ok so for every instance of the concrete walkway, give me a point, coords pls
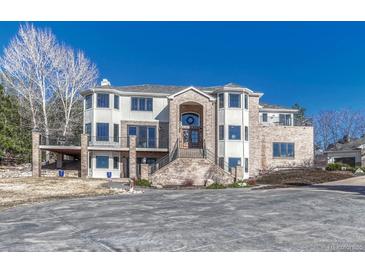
(328, 217)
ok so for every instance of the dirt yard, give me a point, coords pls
(16, 191)
(303, 176)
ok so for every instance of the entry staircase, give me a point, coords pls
(193, 153)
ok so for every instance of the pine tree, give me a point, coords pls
(14, 140)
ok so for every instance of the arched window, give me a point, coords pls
(190, 119)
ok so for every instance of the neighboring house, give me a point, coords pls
(351, 152)
(187, 135)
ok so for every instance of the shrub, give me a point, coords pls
(143, 183)
(334, 166)
(238, 184)
(216, 185)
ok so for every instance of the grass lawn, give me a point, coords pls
(16, 191)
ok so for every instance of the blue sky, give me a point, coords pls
(320, 65)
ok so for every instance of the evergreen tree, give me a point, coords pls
(14, 139)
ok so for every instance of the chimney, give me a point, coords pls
(105, 82)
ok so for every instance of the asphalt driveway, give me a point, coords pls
(329, 217)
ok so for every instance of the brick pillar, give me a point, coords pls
(144, 171)
(59, 163)
(238, 173)
(84, 156)
(132, 157)
(36, 154)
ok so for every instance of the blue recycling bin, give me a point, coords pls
(61, 173)
(108, 174)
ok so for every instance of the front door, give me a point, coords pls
(191, 138)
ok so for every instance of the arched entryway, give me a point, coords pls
(191, 125)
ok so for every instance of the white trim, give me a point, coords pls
(194, 89)
(263, 109)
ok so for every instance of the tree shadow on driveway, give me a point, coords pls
(344, 188)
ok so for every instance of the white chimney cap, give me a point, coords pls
(105, 82)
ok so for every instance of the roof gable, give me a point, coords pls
(193, 89)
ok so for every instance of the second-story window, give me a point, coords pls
(88, 130)
(116, 133)
(234, 132)
(264, 117)
(88, 101)
(102, 132)
(221, 100)
(142, 104)
(234, 100)
(246, 101)
(285, 119)
(102, 100)
(116, 101)
(246, 133)
(221, 132)
(146, 135)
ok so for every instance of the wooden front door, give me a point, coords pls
(191, 138)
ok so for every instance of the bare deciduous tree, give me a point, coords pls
(73, 73)
(333, 125)
(46, 76)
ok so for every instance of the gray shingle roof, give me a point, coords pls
(352, 145)
(163, 89)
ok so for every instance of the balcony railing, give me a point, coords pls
(55, 140)
(124, 142)
(308, 122)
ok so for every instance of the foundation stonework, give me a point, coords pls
(144, 171)
(186, 171)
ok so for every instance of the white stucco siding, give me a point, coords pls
(102, 172)
(160, 110)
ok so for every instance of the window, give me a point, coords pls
(88, 101)
(116, 133)
(283, 150)
(146, 136)
(102, 162)
(285, 119)
(102, 131)
(116, 101)
(221, 162)
(246, 101)
(234, 100)
(142, 104)
(233, 162)
(90, 160)
(190, 119)
(246, 133)
(264, 117)
(115, 162)
(88, 130)
(221, 132)
(221, 100)
(234, 132)
(246, 165)
(103, 100)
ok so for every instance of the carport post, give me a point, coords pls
(59, 162)
(36, 154)
(132, 157)
(84, 155)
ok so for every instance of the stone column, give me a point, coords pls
(84, 156)
(132, 157)
(238, 173)
(59, 160)
(36, 154)
(144, 171)
(254, 136)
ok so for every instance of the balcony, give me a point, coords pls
(306, 122)
(59, 140)
(123, 142)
